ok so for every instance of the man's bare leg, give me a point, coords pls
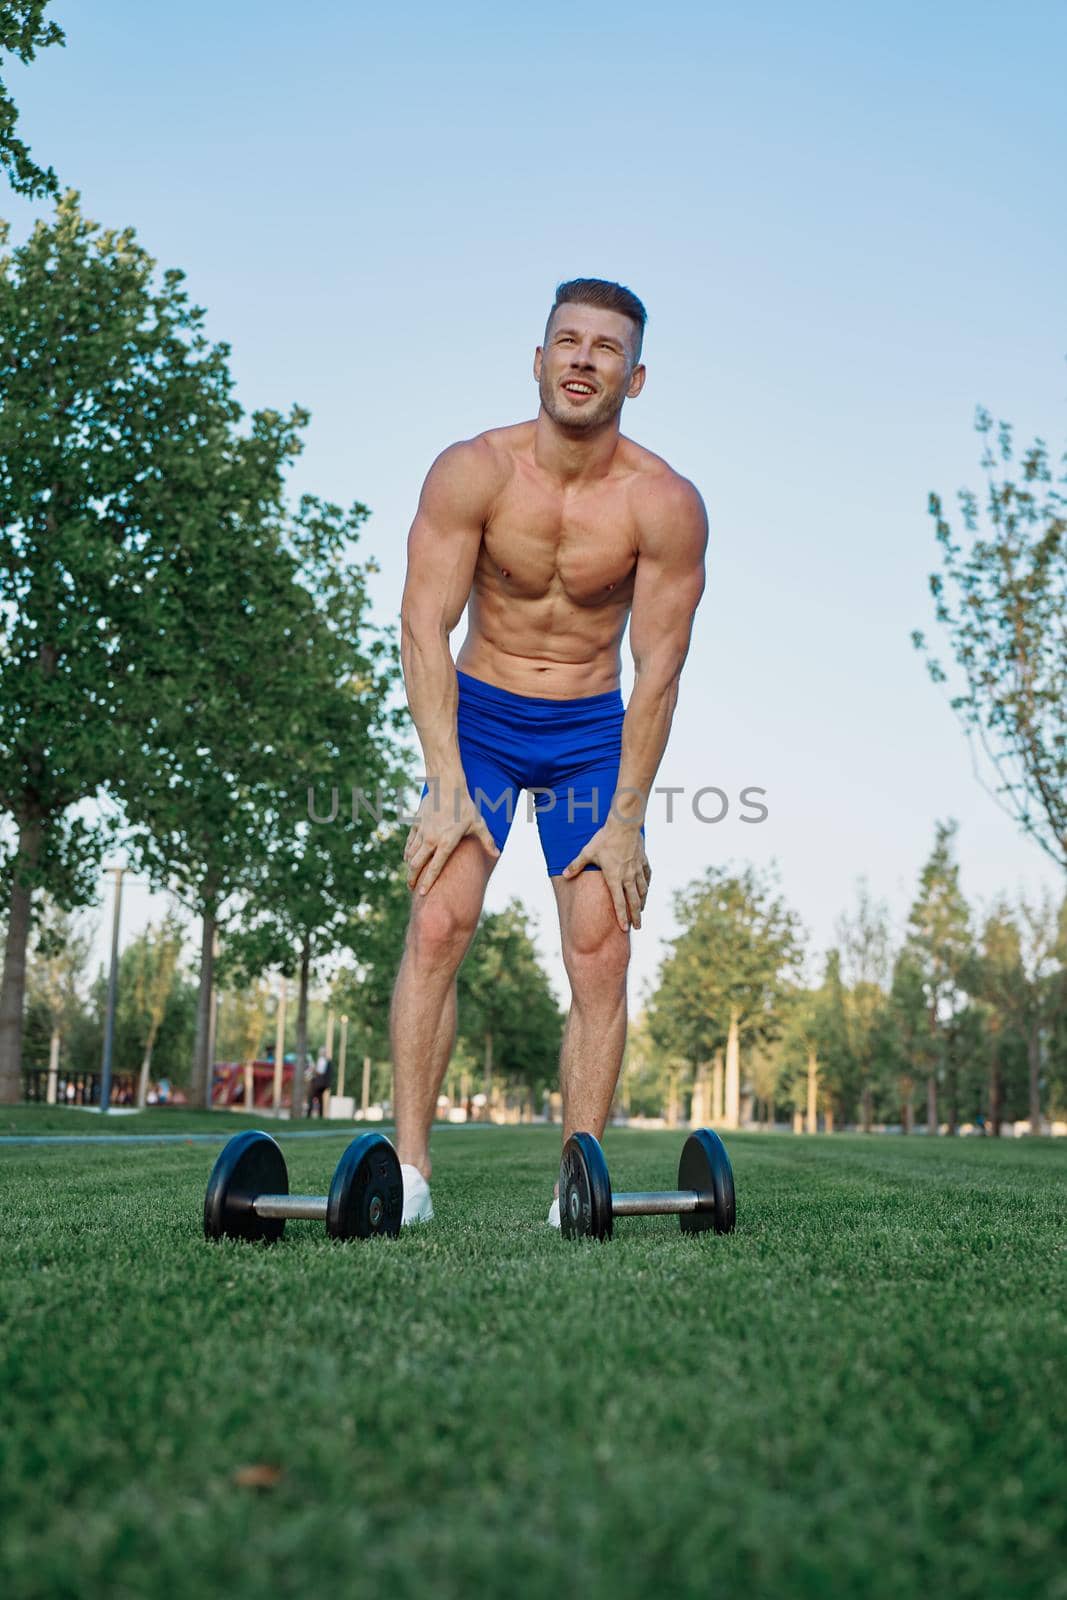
(422, 1019)
(596, 954)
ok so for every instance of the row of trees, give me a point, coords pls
(510, 1024)
(184, 652)
(964, 1019)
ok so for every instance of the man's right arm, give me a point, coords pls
(443, 547)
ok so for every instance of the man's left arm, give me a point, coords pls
(667, 589)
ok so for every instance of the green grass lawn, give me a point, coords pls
(861, 1392)
(31, 1119)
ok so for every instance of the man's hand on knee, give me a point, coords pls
(619, 851)
(436, 832)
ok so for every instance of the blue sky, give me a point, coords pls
(847, 224)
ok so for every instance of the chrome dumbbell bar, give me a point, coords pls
(706, 1200)
(247, 1194)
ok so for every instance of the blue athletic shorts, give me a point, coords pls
(565, 753)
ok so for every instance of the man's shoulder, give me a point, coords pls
(494, 447)
(661, 496)
(481, 464)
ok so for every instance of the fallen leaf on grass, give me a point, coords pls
(260, 1475)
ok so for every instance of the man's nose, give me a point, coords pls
(582, 358)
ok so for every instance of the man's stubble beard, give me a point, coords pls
(584, 419)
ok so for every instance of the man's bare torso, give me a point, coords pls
(555, 573)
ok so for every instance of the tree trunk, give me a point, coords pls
(672, 1100)
(698, 1111)
(213, 1017)
(200, 1084)
(798, 1120)
(813, 1090)
(733, 1073)
(952, 1116)
(142, 1082)
(931, 1077)
(867, 1112)
(717, 1088)
(996, 1094)
(623, 1089)
(828, 1119)
(931, 1104)
(53, 1067)
(13, 987)
(279, 1045)
(299, 1097)
(906, 1105)
(1033, 1062)
(487, 1072)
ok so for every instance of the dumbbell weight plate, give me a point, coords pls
(367, 1193)
(705, 1166)
(250, 1163)
(584, 1190)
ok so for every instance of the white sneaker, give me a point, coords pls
(418, 1207)
(553, 1213)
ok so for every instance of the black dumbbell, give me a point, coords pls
(703, 1199)
(248, 1191)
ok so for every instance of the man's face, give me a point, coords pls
(584, 370)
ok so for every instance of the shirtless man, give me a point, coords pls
(552, 533)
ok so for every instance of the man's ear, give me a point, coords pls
(538, 353)
(637, 382)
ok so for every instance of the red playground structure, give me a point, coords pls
(248, 1084)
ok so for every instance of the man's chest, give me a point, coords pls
(584, 545)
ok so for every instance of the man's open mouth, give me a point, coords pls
(576, 387)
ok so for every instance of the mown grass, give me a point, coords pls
(861, 1392)
(84, 1121)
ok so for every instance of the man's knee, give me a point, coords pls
(440, 930)
(597, 960)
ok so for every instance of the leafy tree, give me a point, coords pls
(56, 969)
(154, 961)
(838, 1077)
(244, 1022)
(1003, 605)
(726, 973)
(938, 948)
(234, 662)
(112, 413)
(1057, 1034)
(864, 942)
(797, 1057)
(363, 986)
(814, 1056)
(322, 871)
(998, 981)
(910, 1039)
(172, 1048)
(23, 31)
(647, 1072)
(1015, 972)
(684, 1034)
(769, 1082)
(967, 1050)
(507, 1009)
